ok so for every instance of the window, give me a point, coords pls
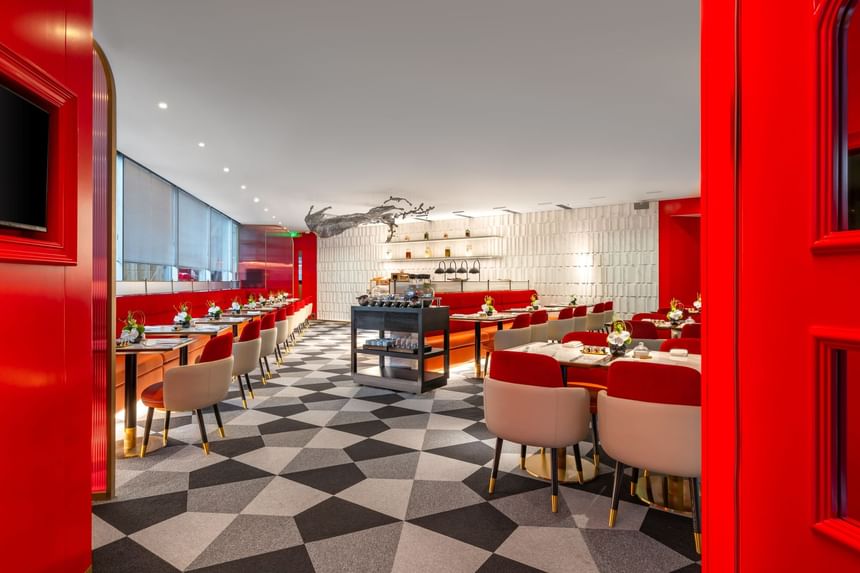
(167, 234)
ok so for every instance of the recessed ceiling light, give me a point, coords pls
(266, 209)
(281, 223)
(273, 217)
(201, 144)
(162, 105)
(226, 170)
(653, 192)
(244, 187)
(256, 199)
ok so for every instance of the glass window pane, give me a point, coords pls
(221, 252)
(148, 211)
(193, 232)
(848, 205)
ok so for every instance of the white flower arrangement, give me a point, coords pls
(181, 318)
(674, 315)
(214, 311)
(488, 307)
(235, 307)
(697, 304)
(535, 302)
(619, 336)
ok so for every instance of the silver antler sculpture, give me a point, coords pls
(326, 226)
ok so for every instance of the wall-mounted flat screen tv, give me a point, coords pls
(24, 132)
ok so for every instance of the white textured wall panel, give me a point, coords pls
(597, 253)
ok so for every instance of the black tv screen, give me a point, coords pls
(24, 129)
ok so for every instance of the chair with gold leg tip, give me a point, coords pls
(282, 327)
(594, 320)
(526, 402)
(692, 330)
(562, 325)
(540, 328)
(191, 388)
(579, 318)
(521, 323)
(268, 338)
(246, 356)
(608, 312)
(510, 338)
(592, 379)
(290, 312)
(691, 345)
(650, 417)
(299, 317)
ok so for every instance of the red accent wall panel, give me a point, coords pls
(101, 254)
(265, 258)
(46, 362)
(307, 246)
(679, 250)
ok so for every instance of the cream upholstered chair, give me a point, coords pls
(539, 326)
(594, 320)
(268, 340)
(650, 417)
(246, 356)
(562, 325)
(608, 311)
(189, 388)
(526, 402)
(579, 318)
(282, 331)
(510, 338)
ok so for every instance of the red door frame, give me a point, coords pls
(768, 97)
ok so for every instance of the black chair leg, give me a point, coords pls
(146, 430)
(166, 427)
(634, 479)
(250, 388)
(268, 370)
(577, 458)
(523, 457)
(487, 364)
(553, 460)
(616, 492)
(496, 458)
(218, 418)
(203, 432)
(595, 455)
(242, 391)
(697, 514)
(262, 370)
(278, 354)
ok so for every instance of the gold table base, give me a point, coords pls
(666, 493)
(538, 465)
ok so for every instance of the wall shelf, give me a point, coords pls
(472, 238)
(437, 259)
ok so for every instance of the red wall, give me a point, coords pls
(307, 245)
(680, 248)
(46, 358)
(265, 258)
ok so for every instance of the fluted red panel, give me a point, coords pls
(101, 256)
(307, 246)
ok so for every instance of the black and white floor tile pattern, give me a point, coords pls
(323, 475)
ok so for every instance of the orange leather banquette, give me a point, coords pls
(462, 337)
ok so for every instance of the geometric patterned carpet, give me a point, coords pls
(322, 475)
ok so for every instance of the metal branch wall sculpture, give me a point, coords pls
(389, 212)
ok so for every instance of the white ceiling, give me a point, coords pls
(464, 104)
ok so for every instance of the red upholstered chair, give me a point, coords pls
(193, 388)
(663, 310)
(217, 348)
(595, 318)
(691, 345)
(587, 338)
(282, 332)
(650, 417)
(650, 315)
(268, 338)
(691, 330)
(579, 318)
(556, 329)
(642, 329)
(246, 356)
(526, 402)
(540, 328)
(608, 311)
(592, 379)
(521, 336)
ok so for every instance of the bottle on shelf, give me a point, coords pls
(426, 235)
(468, 233)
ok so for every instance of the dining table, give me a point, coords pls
(224, 320)
(479, 319)
(674, 497)
(130, 352)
